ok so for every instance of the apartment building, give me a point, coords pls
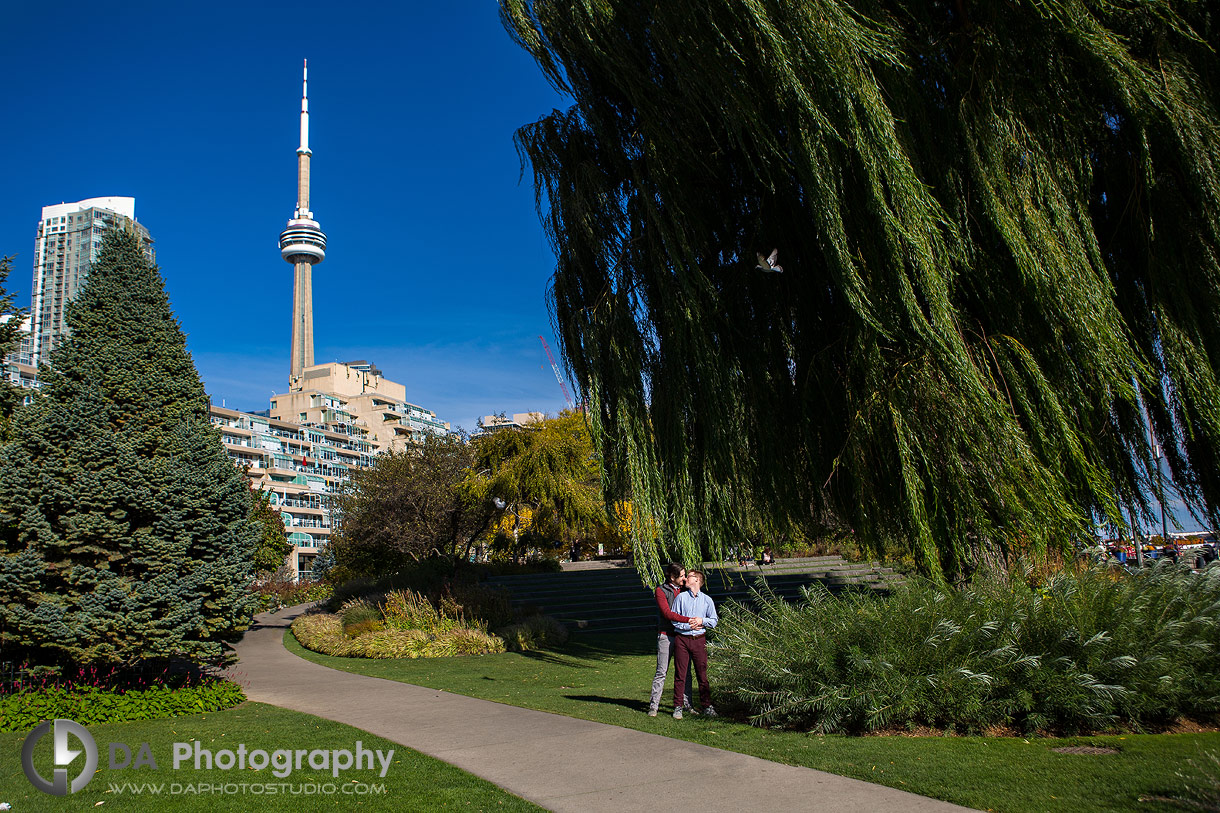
(356, 391)
(69, 237)
(302, 467)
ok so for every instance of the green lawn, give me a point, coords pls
(606, 678)
(412, 782)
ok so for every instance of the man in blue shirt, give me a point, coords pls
(691, 644)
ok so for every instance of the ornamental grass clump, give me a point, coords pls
(405, 609)
(400, 624)
(1086, 649)
(358, 611)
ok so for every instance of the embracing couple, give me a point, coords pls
(684, 612)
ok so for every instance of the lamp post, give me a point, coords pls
(501, 505)
(1158, 453)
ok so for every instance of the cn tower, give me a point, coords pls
(302, 244)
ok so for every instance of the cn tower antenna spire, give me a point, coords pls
(303, 245)
(304, 148)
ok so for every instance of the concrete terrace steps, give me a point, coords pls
(634, 590)
(612, 599)
(606, 576)
(623, 564)
(628, 582)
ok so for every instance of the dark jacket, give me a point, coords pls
(665, 595)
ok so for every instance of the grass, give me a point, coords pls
(413, 782)
(606, 678)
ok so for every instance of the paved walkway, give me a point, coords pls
(558, 762)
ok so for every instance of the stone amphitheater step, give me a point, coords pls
(612, 599)
(629, 584)
(618, 564)
(811, 565)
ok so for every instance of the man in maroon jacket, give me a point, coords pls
(675, 577)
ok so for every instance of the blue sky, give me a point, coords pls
(436, 265)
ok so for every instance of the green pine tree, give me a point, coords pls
(273, 546)
(125, 532)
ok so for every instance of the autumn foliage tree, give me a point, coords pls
(544, 479)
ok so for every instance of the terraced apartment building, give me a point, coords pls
(336, 418)
(359, 392)
(301, 466)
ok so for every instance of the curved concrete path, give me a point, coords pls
(557, 762)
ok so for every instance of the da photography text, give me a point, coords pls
(281, 762)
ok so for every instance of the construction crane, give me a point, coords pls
(567, 396)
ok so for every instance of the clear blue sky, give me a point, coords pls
(436, 265)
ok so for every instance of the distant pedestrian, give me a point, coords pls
(691, 643)
(767, 558)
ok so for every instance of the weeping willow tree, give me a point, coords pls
(999, 229)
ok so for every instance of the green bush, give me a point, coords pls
(278, 594)
(535, 632)
(90, 705)
(1087, 649)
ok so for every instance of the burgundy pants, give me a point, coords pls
(690, 649)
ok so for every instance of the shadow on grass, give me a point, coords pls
(546, 656)
(598, 646)
(584, 649)
(634, 705)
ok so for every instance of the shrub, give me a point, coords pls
(326, 633)
(321, 632)
(90, 705)
(535, 632)
(1200, 784)
(1085, 649)
(432, 577)
(474, 642)
(276, 593)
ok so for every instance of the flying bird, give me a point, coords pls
(768, 263)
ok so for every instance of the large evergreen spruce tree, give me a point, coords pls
(999, 227)
(124, 529)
